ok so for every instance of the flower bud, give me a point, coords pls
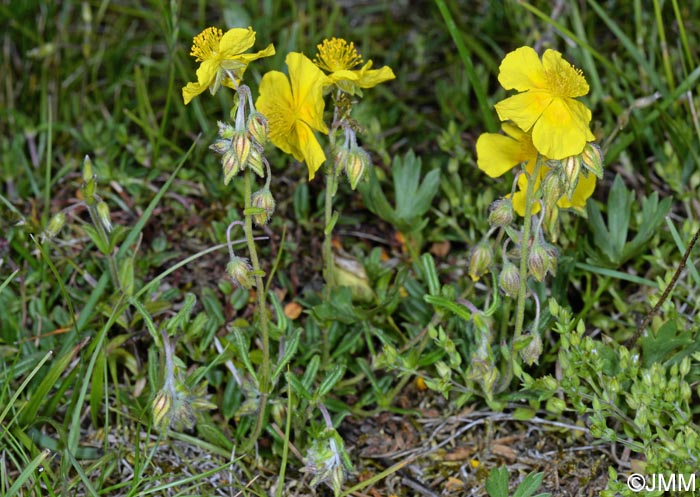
(226, 131)
(592, 159)
(88, 174)
(242, 146)
(501, 213)
(480, 260)
(537, 261)
(570, 168)
(262, 199)
(356, 164)
(509, 279)
(55, 225)
(255, 162)
(533, 350)
(552, 190)
(220, 146)
(239, 269)
(160, 408)
(103, 214)
(89, 181)
(229, 162)
(258, 128)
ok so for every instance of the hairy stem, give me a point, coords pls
(524, 249)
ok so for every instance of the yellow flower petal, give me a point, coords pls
(522, 70)
(497, 154)
(236, 41)
(310, 149)
(582, 192)
(524, 109)
(562, 129)
(562, 78)
(307, 88)
(371, 78)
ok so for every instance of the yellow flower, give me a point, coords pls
(221, 56)
(546, 107)
(497, 153)
(294, 108)
(338, 57)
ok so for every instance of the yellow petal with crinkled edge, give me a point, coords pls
(522, 70)
(497, 154)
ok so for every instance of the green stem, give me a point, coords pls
(264, 374)
(331, 185)
(111, 258)
(524, 248)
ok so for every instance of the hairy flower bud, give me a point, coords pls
(239, 269)
(480, 260)
(592, 159)
(55, 225)
(537, 261)
(255, 162)
(501, 213)
(89, 181)
(509, 279)
(226, 131)
(263, 199)
(533, 350)
(570, 168)
(103, 214)
(161, 409)
(258, 128)
(356, 164)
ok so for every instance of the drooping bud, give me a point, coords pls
(533, 350)
(592, 159)
(239, 269)
(552, 258)
(480, 260)
(356, 164)
(263, 199)
(501, 213)
(551, 222)
(570, 168)
(103, 214)
(258, 128)
(229, 162)
(55, 225)
(509, 279)
(255, 162)
(537, 261)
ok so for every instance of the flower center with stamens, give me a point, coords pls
(337, 55)
(206, 44)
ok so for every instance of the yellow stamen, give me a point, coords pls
(206, 44)
(337, 54)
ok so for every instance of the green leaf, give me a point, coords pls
(332, 377)
(529, 485)
(497, 482)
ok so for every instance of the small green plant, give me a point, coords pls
(497, 484)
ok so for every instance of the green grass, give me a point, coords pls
(81, 353)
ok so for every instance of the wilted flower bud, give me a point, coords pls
(533, 350)
(262, 199)
(592, 159)
(255, 162)
(103, 214)
(480, 260)
(538, 261)
(239, 269)
(501, 213)
(570, 168)
(356, 164)
(509, 279)
(258, 128)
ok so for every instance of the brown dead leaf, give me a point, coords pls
(504, 451)
(453, 484)
(459, 454)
